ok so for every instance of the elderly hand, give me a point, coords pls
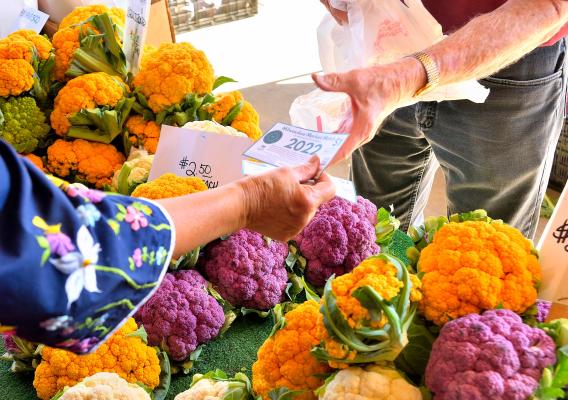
(278, 204)
(373, 91)
(339, 15)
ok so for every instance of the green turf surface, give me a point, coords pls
(234, 352)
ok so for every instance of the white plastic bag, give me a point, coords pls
(58, 9)
(10, 11)
(378, 32)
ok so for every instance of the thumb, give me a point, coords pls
(332, 82)
(307, 171)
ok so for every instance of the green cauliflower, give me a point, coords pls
(22, 123)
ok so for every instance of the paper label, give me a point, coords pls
(285, 145)
(212, 157)
(137, 16)
(553, 248)
(344, 188)
(30, 18)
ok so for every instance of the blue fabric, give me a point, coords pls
(75, 263)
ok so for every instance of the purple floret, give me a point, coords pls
(181, 315)
(247, 270)
(543, 308)
(338, 238)
(489, 356)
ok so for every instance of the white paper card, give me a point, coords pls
(344, 188)
(553, 248)
(286, 145)
(137, 16)
(30, 18)
(212, 157)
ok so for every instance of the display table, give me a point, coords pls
(234, 352)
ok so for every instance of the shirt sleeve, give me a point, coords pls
(75, 263)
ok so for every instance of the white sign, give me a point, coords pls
(137, 16)
(344, 188)
(210, 156)
(285, 146)
(553, 247)
(30, 18)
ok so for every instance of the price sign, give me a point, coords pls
(212, 157)
(286, 145)
(137, 15)
(30, 18)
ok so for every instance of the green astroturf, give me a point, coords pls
(234, 352)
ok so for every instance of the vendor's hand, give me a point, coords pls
(339, 15)
(372, 91)
(278, 205)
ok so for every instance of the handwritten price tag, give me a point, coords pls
(30, 18)
(212, 157)
(285, 146)
(137, 15)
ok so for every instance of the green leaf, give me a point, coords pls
(123, 186)
(114, 225)
(228, 120)
(121, 208)
(247, 311)
(44, 244)
(230, 317)
(161, 391)
(310, 291)
(140, 333)
(386, 225)
(284, 394)
(221, 80)
(58, 395)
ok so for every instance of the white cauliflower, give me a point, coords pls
(105, 386)
(205, 389)
(134, 172)
(371, 383)
(216, 385)
(214, 127)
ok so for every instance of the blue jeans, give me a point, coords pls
(496, 156)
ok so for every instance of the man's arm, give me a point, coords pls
(485, 45)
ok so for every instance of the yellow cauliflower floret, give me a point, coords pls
(169, 185)
(474, 266)
(81, 14)
(85, 92)
(285, 359)
(143, 133)
(127, 356)
(16, 48)
(16, 77)
(41, 43)
(94, 163)
(246, 121)
(170, 73)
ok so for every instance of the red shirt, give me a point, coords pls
(454, 14)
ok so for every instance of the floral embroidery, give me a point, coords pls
(135, 218)
(79, 346)
(161, 255)
(77, 189)
(56, 323)
(89, 214)
(54, 242)
(137, 257)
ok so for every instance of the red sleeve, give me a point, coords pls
(563, 32)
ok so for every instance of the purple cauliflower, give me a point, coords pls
(181, 315)
(543, 308)
(490, 356)
(247, 270)
(338, 238)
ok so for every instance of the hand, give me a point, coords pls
(278, 205)
(374, 92)
(339, 15)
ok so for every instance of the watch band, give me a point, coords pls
(432, 72)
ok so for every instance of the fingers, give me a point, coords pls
(324, 189)
(307, 171)
(332, 82)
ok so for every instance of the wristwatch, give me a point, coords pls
(432, 72)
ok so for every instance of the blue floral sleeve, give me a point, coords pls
(75, 263)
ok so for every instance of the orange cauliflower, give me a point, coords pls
(93, 163)
(127, 356)
(16, 77)
(84, 93)
(81, 14)
(41, 43)
(143, 133)
(474, 266)
(173, 71)
(169, 185)
(247, 119)
(16, 48)
(285, 359)
(35, 160)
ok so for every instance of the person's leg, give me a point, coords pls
(397, 166)
(498, 155)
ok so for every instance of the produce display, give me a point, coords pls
(350, 309)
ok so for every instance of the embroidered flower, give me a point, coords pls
(77, 189)
(137, 258)
(54, 324)
(89, 214)
(161, 255)
(79, 346)
(59, 243)
(80, 266)
(135, 218)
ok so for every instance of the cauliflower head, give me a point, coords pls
(205, 389)
(474, 266)
(169, 185)
(373, 382)
(35, 160)
(93, 163)
(41, 43)
(83, 93)
(172, 72)
(246, 121)
(489, 356)
(82, 14)
(16, 77)
(127, 356)
(16, 48)
(285, 358)
(105, 386)
(339, 237)
(214, 127)
(139, 164)
(181, 315)
(248, 270)
(23, 124)
(143, 133)
(217, 385)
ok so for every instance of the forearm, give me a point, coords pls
(205, 216)
(495, 40)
